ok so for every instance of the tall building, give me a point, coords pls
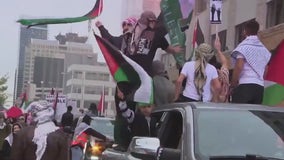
(85, 84)
(44, 67)
(26, 34)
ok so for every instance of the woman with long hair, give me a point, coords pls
(200, 77)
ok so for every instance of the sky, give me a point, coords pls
(12, 10)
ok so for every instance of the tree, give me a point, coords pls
(3, 88)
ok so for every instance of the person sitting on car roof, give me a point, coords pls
(81, 136)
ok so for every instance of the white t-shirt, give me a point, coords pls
(248, 75)
(190, 90)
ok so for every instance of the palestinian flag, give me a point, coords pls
(176, 15)
(274, 80)
(197, 39)
(95, 12)
(123, 69)
(25, 103)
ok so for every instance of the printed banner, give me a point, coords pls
(61, 105)
(216, 11)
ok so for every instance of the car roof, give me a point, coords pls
(217, 106)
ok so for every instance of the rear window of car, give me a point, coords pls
(238, 133)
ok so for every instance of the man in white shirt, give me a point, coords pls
(250, 58)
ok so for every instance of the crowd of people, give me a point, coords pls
(204, 79)
(207, 78)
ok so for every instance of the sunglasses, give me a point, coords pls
(126, 24)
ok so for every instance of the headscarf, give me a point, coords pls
(10, 138)
(203, 54)
(142, 24)
(43, 114)
(130, 20)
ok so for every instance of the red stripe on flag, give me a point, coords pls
(96, 11)
(113, 66)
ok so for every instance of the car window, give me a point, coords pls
(171, 129)
(238, 133)
(104, 126)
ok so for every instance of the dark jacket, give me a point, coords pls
(67, 119)
(116, 41)
(139, 126)
(23, 148)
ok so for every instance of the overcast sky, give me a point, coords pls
(12, 10)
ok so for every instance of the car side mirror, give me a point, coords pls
(144, 147)
(168, 154)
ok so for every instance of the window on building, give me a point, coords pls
(239, 36)
(275, 13)
(223, 37)
(76, 89)
(91, 76)
(78, 75)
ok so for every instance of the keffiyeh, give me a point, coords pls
(255, 53)
(43, 114)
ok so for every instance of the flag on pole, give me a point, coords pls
(95, 12)
(123, 69)
(274, 80)
(24, 104)
(101, 106)
(176, 15)
(197, 39)
(55, 101)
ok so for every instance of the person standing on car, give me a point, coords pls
(250, 58)
(81, 136)
(67, 118)
(200, 77)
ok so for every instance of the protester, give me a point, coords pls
(121, 132)
(141, 122)
(82, 133)
(7, 145)
(45, 141)
(200, 77)
(127, 27)
(164, 89)
(250, 58)
(223, 73)
(93, 110)
(5, 130)
(145, 40)
(67, 118)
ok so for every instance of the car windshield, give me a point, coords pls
(238, 133)
(104, 126)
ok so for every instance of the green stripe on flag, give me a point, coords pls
(120, 75)
(273, 95)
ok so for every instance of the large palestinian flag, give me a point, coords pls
(274, 80)
(123, 69)
(176, 15)
(96, 11)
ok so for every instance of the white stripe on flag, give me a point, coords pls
(144, 92)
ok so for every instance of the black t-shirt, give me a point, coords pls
(146, 48)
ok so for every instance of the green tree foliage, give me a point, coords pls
(3, 88)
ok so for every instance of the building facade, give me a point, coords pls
(85, 84)
(44, 67)
(26, 34)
